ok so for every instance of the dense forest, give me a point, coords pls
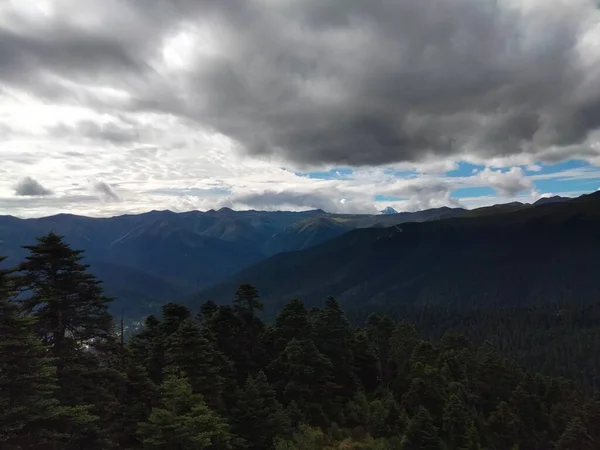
(310, 379)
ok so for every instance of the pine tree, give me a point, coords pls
(291, 323)
(366, 365)
(575, 437)
(173, 315)
(260, 418)
(379, 330)
(68, 303)
(334, 338)
(503, 425)
(73, 320)
(204, 366)
(147, 349)
(421, 433)
(303, 375)
(459, 426)
(183, 421)
(28, 406)
(137, 394)
(246, 305)
(226, 330)
(247, 301)
(207, 310)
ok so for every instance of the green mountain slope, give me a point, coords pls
(531, 255)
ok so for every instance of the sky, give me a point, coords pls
(124, 106)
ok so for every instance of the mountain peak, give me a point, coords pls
(553, 199)
(388, 210)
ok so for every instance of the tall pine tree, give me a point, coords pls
(72, 318)
(259, 418)
(28, 406)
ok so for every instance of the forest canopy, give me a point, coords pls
(223, 378)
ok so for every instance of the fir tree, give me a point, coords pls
(137, 394)
(422, 434)
(304, 376)
(204, 366)
(459, 426)
(173, 315)
(67, 301)
(379, 330)
(73, 320)
(334, 338)
(246, 305)
(147, 349)
(207, 310)
(260, 418)
(28, 406)
(366, 365)
(183, 421)
(291, 323)
(575, 437)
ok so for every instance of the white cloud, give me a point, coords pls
(506, 183)
(116, 93)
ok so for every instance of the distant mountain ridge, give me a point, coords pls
(186, 251)
(505, 255)
(168, 255)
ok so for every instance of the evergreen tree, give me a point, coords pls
(422, 434)
(335, 339)
(459, 426)
(366, 365)
(260, 418)
(183, 421)
(303, 376)
(173, 315)
(28, 407)
(207, 310)
(226, 330)
(73, 320)
(204, 366)
(247, 302)
(137, 394)
(291, 323)
(379, 330)
(67, 301)
(503, 425)
(147, 349)
(576, 437)
(246, 305)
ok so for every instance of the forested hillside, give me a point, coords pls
(225, 379)
(148, 259)
(543, 255)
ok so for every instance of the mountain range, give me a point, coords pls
(512, 255)
(148, 259)
(422, 257)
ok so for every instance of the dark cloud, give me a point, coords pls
(108, 132)
(30, 187)
(105, 191)
(343, 81)
(329, 201)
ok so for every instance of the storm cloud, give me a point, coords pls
(30, 187)
(337, 82)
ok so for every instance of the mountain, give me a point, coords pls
(305, 234)
(553, 199)
(147, 259)
(519, 256)
(388, 210)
